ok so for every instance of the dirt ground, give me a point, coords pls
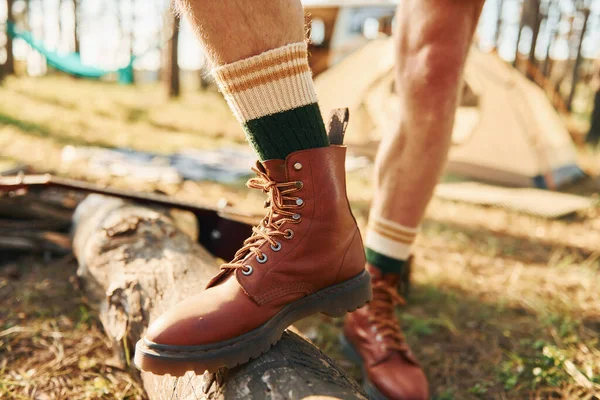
(502, 305)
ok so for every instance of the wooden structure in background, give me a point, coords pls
(323, 53)
(319, 58)
(135, 262)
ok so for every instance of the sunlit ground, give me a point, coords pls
(502, 306)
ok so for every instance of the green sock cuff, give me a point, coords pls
(277, 135)
(385, 264)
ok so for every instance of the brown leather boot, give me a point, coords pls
(305, 257)
(372, 338)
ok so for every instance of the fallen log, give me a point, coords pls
(34, 241)
(135, 262)
(32, 222)
(32, 206)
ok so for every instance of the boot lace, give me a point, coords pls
(281, 207)
(382, 318)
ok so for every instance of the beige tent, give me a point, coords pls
(506, 130)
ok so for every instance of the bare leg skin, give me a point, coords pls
(231, 30)
(260, 63)
(432, 41)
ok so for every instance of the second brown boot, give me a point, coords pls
(372, 338)
(305, 257)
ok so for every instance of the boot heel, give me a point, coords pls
(348, 296)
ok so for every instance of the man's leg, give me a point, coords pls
(259, 58)
(432, 41)
(306, 255)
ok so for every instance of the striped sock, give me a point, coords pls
(388, 244)
(273, 96)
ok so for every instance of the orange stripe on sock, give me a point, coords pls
(261, 80)
(395, 230)
(241, 72)
(391, 236)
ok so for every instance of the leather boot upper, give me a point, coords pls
(308, 240)
(375, 333)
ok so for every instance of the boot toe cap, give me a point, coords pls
(168, 329)
(403, 382)
(216, 314)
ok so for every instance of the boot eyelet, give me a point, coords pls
(262, 259)
(299, 185)
(296, 217)
(297, 166)
(299, 202)
(276, 248)
(288, 234)
(247, 270)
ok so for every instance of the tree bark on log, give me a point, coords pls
(135, 262)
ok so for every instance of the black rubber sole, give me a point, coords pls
(334, 301)
(353, 355)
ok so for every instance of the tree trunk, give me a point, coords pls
(132, 28)
(578, 58)
(521, 26)
(59, 23)
(136, 262)
(593, 136)
(498, 24)
(76, 25)
(9, 67)
(173, 59)
(535, 31)
(553, 35)
(27, 17)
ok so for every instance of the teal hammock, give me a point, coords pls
(70, 63)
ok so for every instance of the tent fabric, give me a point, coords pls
(519, 138)
(506, 131)
(70, 63)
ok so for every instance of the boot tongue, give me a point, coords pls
(275, 169)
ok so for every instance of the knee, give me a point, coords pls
(432, 44)
(435, 64)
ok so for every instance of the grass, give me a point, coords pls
(51, 346)
(502, 306)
